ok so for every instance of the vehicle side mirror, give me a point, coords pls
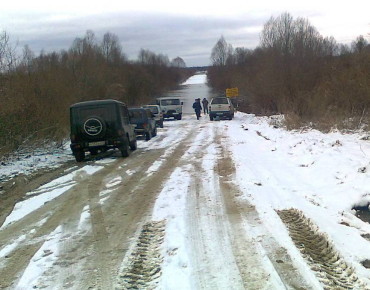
(182, 103)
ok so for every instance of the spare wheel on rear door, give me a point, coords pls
(94, 127)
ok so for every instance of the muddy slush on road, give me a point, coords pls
(197, 207)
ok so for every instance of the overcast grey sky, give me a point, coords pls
(187, 29)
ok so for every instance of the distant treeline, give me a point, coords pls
(296, 71)
(36, 91)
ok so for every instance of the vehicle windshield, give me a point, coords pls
(169, 102)
(219, 101)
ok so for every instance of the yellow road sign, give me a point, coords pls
(232, 92)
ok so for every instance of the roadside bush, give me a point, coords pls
(36, 92)
(297, 72)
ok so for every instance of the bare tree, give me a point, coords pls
(27, 59)
(241, 55)
(359, 44)
(147, 57)
(178, 62)
(111, 48)
(7, 53)
(221, 52)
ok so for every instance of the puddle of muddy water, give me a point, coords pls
(363, 213)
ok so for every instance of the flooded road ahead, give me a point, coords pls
(195, 87)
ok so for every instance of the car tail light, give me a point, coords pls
(145, 125)
(120, 132)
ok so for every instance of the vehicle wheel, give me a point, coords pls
(133, 145)
(93, 151)
(154, 132)
(211, 117)
(161, 124)
(125, 149)
(125, 152)
(179, 117)
(79, 155)
(148, 136)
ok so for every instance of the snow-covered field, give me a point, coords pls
(322, 175)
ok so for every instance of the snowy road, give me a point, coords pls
(235, 204)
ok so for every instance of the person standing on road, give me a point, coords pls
(205, 106)
(197, 108)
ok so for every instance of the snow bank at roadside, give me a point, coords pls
(29, 162)
(323, 175)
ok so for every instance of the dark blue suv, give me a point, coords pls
(144, 120)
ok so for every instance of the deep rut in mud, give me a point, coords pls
(144, 264)
(330, 268)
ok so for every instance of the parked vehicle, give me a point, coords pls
(158, 115)
(143, 118)
(100, 125)
(170, 107)
(221, 107)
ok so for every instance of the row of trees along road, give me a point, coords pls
(36, 91)
(298, 72)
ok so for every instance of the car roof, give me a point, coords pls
(97, 102)
(168, 98)
(137, 109)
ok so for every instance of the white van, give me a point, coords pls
(170, 107)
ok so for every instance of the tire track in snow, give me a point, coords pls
(118, 218)
(319, 252)
(253, 245)
(212, 261)
(144, 264)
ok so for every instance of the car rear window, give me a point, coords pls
(169, 102)
(153, 109)
(219, 101)
(137, 115)
(104, 112)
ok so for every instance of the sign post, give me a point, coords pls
(232, 92)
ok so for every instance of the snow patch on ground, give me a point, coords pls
(48, 192)
(42, 261)
(30, 162)
(314, 172)
(196, 79)
(170, 206)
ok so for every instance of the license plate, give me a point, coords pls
(98, 143)
(219, 113)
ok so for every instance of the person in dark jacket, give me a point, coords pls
(205, 106)
(197, 108)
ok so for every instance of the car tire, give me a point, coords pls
(161, 124)
(133, 145)
(125, 149)
(93, 151)
(79, 155)
(154, 132)
(211, 117)
(148, 136)
(179, 117)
